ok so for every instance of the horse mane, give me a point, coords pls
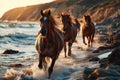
(52, 25)
(69, 19)
(52, 22)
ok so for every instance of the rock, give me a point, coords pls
(100, 73)
(109, 67)
(3, 78)
(109, 78)
(117, 37)
(16, 65)
(114, 67)
(10, 51)
(96, 51)
(94, 59)
(103, 32)
(87, 72)
(27, 71)
(103, 62)
(114, 57)
(27, 77)
(109, 72)
(101, 48)
(102, 39)
(117, 44)
(104, 47)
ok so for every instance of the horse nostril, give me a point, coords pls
(43, 31)
(64, 29)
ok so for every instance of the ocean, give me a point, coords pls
(21, 36)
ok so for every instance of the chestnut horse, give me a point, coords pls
(49, 42)
(70, 31)
(88, 30)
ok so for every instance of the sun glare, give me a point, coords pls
(6, 5)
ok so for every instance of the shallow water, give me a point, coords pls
(17, 36)
(21, 36)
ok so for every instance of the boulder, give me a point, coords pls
(99, 73)
(3, 78)
(114, 57)
(102, 39)
(103, 63)
(101, 48)
(16, 65)
(94, 59)
(10, 51)
(87, 72)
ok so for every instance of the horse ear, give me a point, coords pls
(42, 12)
(49, 12)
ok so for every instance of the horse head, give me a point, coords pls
(47, 22)
(66, 20)
(87, 18)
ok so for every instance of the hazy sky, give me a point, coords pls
(6, 5)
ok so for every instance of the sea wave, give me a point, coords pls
(22, 38)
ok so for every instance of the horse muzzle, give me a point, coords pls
(64, 29)
(43, 31)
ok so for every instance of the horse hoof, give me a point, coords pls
(69, 54)
(48, 77)
(65, 56)
(85, 43)
(40, 66)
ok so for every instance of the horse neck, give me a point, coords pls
(50, 34)
(68, 25)
(87, 23)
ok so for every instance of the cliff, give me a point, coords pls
(100, 10)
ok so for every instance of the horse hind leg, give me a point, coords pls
(40, 62)
(45, 63)
(69, 48)
(84, 40)
(89, 41)
(65, 50)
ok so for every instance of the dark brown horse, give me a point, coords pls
(70, 31)
(49, 42)
(88, 30)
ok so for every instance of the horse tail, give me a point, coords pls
(77, 24)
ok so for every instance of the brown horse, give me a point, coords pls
(88, 30)
(70, 31)
(49, 42)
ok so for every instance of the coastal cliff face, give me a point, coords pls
(100, 10)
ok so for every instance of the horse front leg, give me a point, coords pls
(40, 61)
(84, 40)
(65, 50)
(89, 40)
(69, 48)
(44, 63)
(50, 70)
